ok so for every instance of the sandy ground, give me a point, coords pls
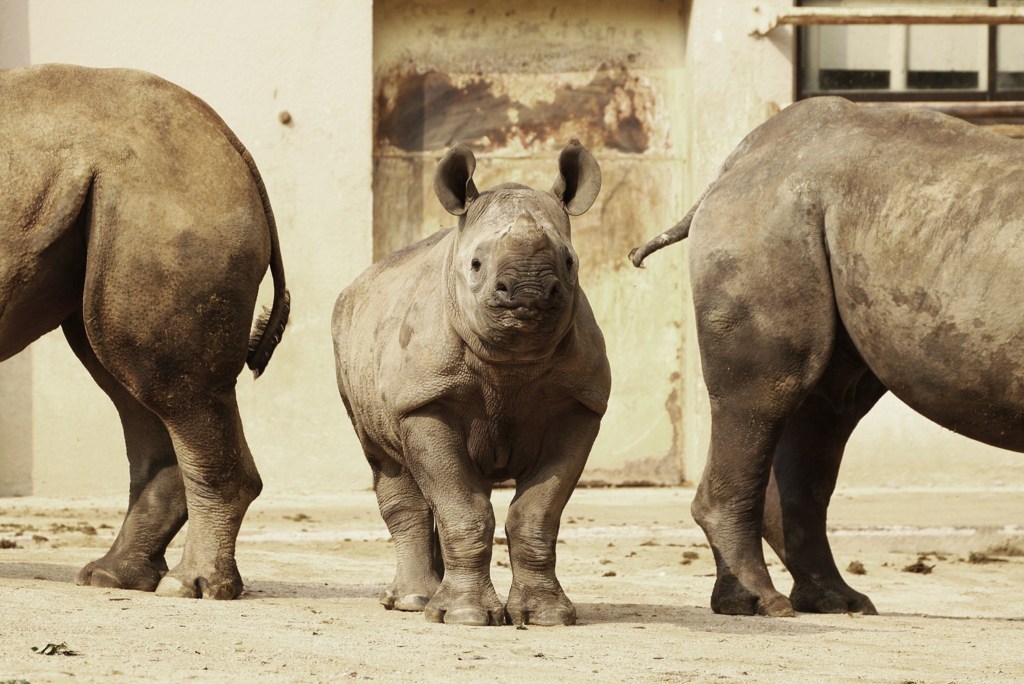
(631, 559)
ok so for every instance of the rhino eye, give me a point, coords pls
(569, 263)
(475, 264)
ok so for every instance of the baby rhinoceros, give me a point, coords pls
(470, 358)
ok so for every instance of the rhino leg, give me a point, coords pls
(220, 482)
(766, 323)
(536, 596)
(411, 523)
(729, 505)
(172, 327)
(804, 474)
(156, 503)
(461, 501)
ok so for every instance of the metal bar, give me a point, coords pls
(807, 16)
(1009, 130)
(899, 57)
(991, 55)
(817, 16)
(962, 110)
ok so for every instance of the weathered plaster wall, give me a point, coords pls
(517, 82)
(14, 48)
(250, 60)
(736, 82)
(16, 373)
(661, 93)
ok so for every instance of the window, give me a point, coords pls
(916, 62)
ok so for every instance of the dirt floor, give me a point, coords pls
(631, 559)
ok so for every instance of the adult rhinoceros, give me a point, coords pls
(843, 252)
(134, 219)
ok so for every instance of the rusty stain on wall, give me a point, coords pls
(653, 470)
(429, 110)
(674, 409)
(450, 71)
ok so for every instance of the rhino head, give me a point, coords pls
(513, 271)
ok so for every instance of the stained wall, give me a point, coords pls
(251, 61)
(659, 90)
(517, 85)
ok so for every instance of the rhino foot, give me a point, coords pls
(548, 617)
(544, 608)
(140, 575)
(817, 598)
(731, 598)
(406, 602)
(409, 594)
(776, 606)
(473, 608)
(472, 617)
(226, 587)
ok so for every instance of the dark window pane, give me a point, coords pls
(943, 80)
(1010, 80)
(1010, 55)
(853, 79)
(889, 60)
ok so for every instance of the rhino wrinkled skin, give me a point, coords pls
(132, 217)
(471, 358)
(843, 252)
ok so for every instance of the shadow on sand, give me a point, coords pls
(260, 589)
(49, 572)
(694, 618)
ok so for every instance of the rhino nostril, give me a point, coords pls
(501, 293)
(551, 296)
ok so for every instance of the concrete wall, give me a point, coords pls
(516, 85)
(250, 60)
(661, 93)
(736, 82)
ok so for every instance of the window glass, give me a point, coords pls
(945, 57)
(915, 59)
(1010, 54)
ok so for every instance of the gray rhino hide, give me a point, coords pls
(132, 217)
(841, 253)
(470, 358)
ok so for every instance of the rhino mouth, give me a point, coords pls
(529, 312)
(526, 313)
(528, 306)
(523, 326)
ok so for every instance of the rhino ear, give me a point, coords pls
(579, 178)
(453, 180)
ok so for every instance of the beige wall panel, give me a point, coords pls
(16, 425)
(735, 82)
(14, 49)
(895, 447)
(660, 91)
(250, 61)
(517, 85)
(738, 81)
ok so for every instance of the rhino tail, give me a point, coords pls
(682, 229)
(269, 327)
(674, 234)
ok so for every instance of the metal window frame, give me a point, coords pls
(993, 16)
